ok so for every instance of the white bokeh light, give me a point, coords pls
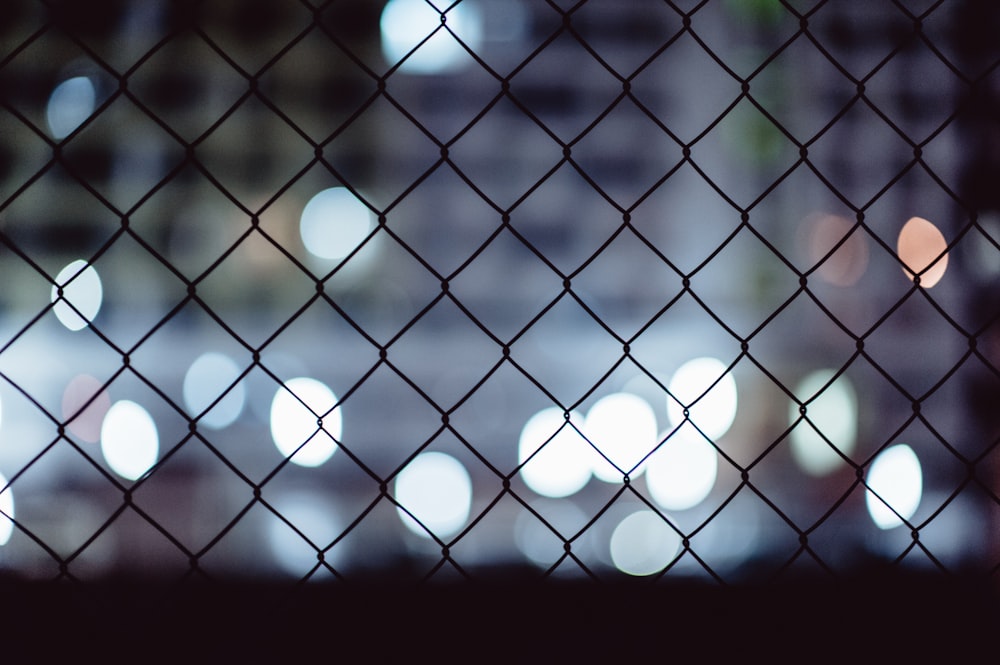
(623, 427)
(834, 412)
(317, 522)
(129, 440)
(295, 410)
(6, 512)
(207, 377)
(897, 480)
(81, 286)
(683, 471)
(71, 103)
(563, 466)
(643, 544)
(437, 490)
(711, 400)
(334, 222)
(406, 23)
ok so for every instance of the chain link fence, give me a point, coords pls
(311, 291)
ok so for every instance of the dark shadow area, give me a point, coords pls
(865, 618)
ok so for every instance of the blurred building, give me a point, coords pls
(593, 199)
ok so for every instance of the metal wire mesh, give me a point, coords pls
(326, 290)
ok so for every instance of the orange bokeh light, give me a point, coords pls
(923, 250)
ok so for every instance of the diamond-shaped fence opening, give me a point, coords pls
(676, 291)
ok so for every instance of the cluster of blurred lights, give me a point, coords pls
(619, 436)
(558, 452)
(433, 492)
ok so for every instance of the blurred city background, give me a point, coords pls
(694, 289)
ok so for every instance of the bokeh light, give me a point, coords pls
(682, 472)
(919, 246)
(709, 391)
(623, 427)
(86, 421)
(206, 379)
(315, 520)
(564, 459)
(895, 486)
(6, 512)
(334, 222)
(833, 414)
(643, 543)
(295, 411)
(129, 440)
(407, 23)
(846, 265)
(437, 490)
(71, 103)
(81, 287)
